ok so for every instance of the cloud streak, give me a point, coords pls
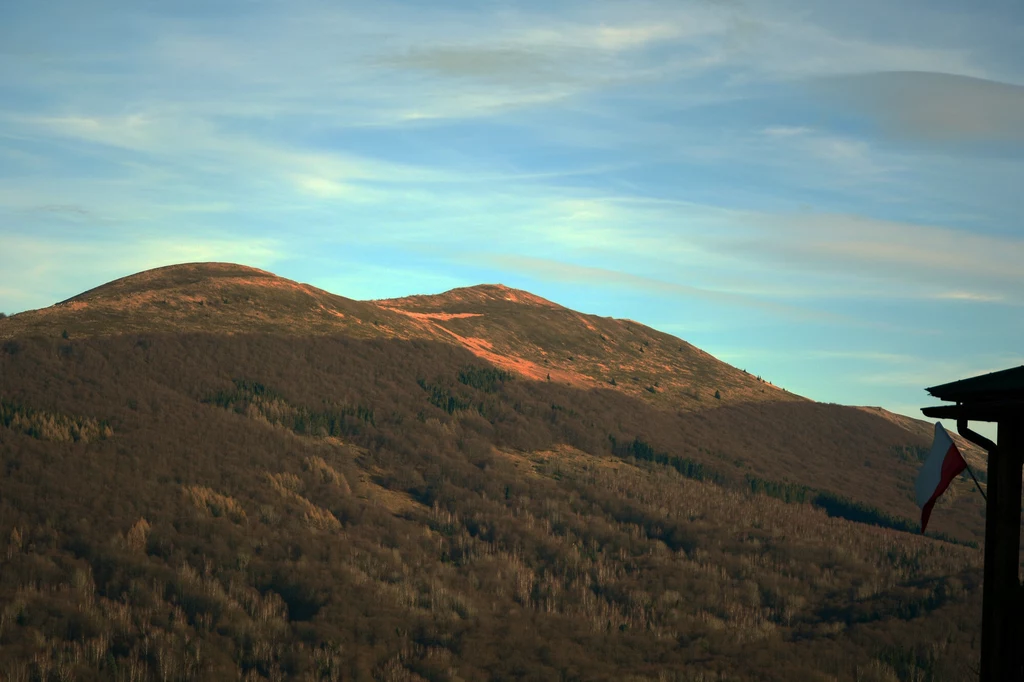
(928, 257)
(933, 106)
(559, 271)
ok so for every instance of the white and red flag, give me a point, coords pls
(944, 463)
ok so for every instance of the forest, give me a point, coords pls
(208, 506)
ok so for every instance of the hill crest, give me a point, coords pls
(172, 276)
(463, 299)
(510, 328)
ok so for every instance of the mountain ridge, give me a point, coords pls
(435, 316)
(310, 487)
(514, 329)
(457, 316)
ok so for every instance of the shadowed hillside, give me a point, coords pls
(271, 491)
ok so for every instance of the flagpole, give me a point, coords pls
(971, 472)
(964, 430)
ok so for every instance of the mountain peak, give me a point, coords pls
(469, 299)
(510, 328)
(207, 297)
(175, 276)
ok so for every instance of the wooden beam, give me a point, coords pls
(1001, 645)
(999, 411)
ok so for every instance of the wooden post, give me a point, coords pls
(1001, 656)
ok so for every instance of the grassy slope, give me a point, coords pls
(217, 297)
(510, 328)
(540, 338)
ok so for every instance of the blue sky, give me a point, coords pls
(826, 194)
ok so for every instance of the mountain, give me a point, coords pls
(208, 297)
(512, 329)
(536, 338)
(212, 472)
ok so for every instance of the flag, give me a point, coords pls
(944, 463)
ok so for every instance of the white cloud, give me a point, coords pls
(613, 38)
(786, 131)
(972, 296)
(921, 377)
(506, 65)
(359, 66)
(330, 189)
(779, 257)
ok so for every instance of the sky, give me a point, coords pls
(828, 195)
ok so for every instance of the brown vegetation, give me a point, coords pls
(509, 328)
(322, 507)
(534, 337)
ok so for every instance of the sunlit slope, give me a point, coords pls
(213, 297)
(541, 340)
(512, 329)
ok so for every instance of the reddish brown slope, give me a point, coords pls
(535, 337)
(210, 297)
(513, 329)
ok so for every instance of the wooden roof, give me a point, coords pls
(989, 397)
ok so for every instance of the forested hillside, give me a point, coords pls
(201, 504)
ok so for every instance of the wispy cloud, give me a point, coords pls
(841, 156)
(933, 106)
(781, 257)
(560, 271)
(331, 189)
(972, 296)
(202, 144)
(786, 131)
(749, 168)
(923, 255)
(502, 65)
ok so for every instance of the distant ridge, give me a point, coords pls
(511, 328)
(208, 297)
(467, 297)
